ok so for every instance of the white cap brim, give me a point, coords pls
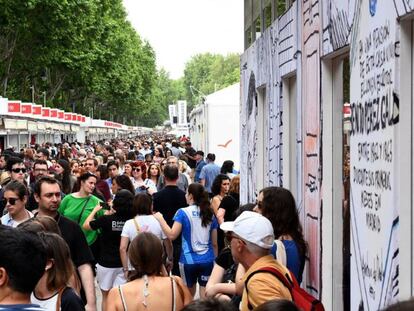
(227, 226)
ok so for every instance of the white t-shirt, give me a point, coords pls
(146, 223)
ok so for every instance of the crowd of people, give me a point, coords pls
(151, 220)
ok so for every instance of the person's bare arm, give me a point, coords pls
(214, 241)
(87, 279)
(123, 254)
(171, 233)
(91, 217)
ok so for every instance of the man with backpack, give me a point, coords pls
(251, 237)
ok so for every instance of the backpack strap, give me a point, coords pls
(285, 279)
(136, 225)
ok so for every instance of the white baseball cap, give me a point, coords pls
(252, 227)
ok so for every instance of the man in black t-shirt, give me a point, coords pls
(47, 194)
(167, 202)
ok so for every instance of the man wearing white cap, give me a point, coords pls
(251, 237)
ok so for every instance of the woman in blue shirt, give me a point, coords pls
(278, 205)
(199, 238)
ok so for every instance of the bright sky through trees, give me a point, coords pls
(179, 29)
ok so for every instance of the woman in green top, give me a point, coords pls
(78, 205)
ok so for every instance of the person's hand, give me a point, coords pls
(150, 191)
(158, 216)
(110, 211)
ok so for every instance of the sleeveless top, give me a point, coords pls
(173, 289)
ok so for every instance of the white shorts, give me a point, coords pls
(109, 277)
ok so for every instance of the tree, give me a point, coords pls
(82, 52)
(207, 73)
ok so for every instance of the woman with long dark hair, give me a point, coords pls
(149, 287)
(63, 172)
(220, 189)
(278, 205)
(154, 172)
(122, 182)
(199, 233)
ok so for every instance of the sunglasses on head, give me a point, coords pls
(11, 201)
(18, 170)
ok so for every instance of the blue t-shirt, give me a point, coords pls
(209, 173)
(199, 167)
(196, 239)
(294, 264)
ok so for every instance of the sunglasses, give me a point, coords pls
(136, 169)
(230, 236)
(11, 201)
(18, 170)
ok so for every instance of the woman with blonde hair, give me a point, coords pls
(149, 281)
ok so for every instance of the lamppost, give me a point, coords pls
(33, 93)
(44, 98)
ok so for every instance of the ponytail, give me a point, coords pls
(201, 199)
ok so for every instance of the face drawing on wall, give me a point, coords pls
(251, 138)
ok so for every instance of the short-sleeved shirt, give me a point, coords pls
(209, 173)
(196, 239)
(199, 167)
(76, 240)
(71, 207)
(168, 201)
(263, 287)
(293, 261)
(146, 223)
(111, 228)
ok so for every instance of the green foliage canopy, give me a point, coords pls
(84, 54)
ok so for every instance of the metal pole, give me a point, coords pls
(33, 92)
(44, 98)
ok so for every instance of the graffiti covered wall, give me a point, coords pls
(374, 182)
(261, 67)
(312, 138)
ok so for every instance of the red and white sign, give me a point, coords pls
(26, 108)
(73, 116)
(13, 107)
(53, 113)
(37, 110)
(61, 115)
(45, 112)
(68, 116)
